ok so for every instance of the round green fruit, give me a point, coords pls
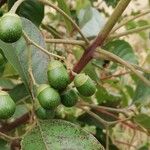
(84, 85)
(57, 75)
(7, 105)
(69, 98)
(44, 114)
(48, 97)
(10, 28)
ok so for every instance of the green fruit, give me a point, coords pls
(10, 28)
(69, 98)
(48, 97)
(84, 85)
(7, 105)
(44, 114)
(57, 75)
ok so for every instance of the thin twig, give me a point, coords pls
(7, 137)
(136, 30)
(45, 2)
(140, 68)
(98, 118)
(15, 6)
(124, 63)
(123, 111)
(124, 22)
(66, 41)
(107, 137)
(115, 75)
(41, 48)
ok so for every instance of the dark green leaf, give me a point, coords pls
(122, 49)
(6, 83)
(59, 134)
(112, 3)
(18, 92)
(16, 54)
(30, 9)
(143, 120)
(4, 145)
(91, 71)
(142, 92)
(106, 97)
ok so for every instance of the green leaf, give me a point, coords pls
(30, 9)
(143, 120)
(142, 92)
(20, 110)
(90, 18)
(57, 135)
(81, 4)
(18, 92)
(4, 145)
(63, 6)
(9, 71)
(6, 83)
(107, 97)
(16, 54)
(91, 71)
(122, 49)
(145, 147)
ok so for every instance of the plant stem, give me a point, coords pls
(136, 30)
(15, 6)
(22, 120)
(41, 48)
(6, 137)
(115, 75)
(107, 137)
(66, 41)
(102, 121)
(124, 22)
(88, 54)
(45, 2)
(124, 63)
(140, 68)
(105, 108)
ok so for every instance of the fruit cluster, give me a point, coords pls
(56, 92)
(49, 95)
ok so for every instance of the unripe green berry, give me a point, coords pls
(84, 85)
(10, 28)
(48, 97)
(7, 105)
(44, 114)
(57, 75)
(69, 98)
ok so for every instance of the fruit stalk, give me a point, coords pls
(15, 6)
